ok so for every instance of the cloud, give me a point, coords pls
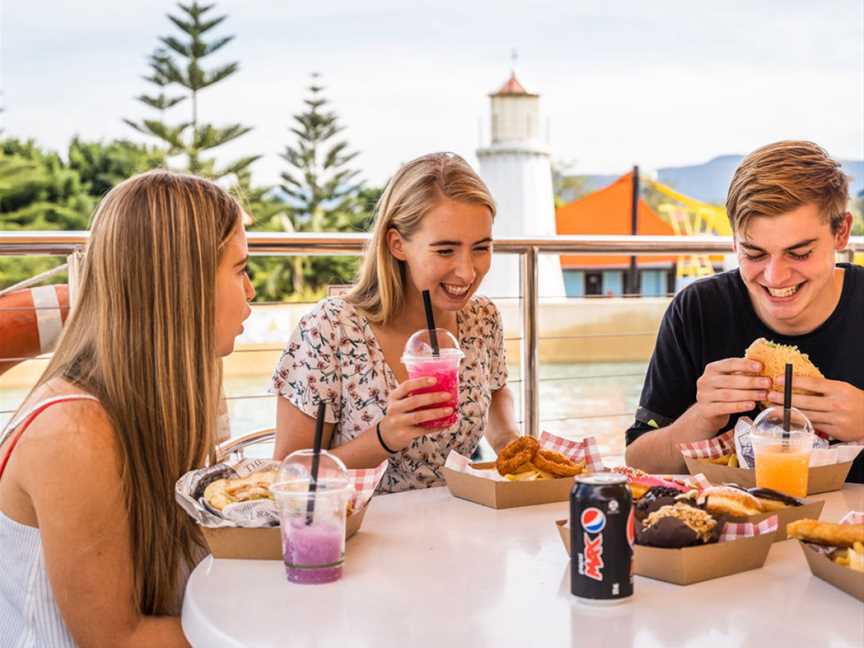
(655, 83)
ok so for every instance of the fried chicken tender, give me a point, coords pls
(826, 533)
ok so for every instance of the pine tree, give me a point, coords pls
(178, 63)
(321, 186)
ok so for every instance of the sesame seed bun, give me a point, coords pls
(774, 357)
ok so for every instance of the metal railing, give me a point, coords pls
(20, 243)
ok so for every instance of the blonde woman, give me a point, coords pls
(93, 549)
(433, 231)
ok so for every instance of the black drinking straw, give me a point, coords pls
(316, 459)
(787, 403)
(430, 323)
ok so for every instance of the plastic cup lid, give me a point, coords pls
(295, 473)
(419, 346)
(769, 424)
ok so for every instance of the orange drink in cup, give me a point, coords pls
(782, 458)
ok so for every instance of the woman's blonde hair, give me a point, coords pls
(783, 176)
(415, 189)
(141, 339)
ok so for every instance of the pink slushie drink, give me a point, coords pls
(312, 520)
(313, 554)
(421, 362)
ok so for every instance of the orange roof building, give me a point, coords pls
(608, 212)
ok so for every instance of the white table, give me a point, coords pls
(428, 569)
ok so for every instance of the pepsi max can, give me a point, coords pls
(602, 533)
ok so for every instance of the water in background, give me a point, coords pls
(576, 400)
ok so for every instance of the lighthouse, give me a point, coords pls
(517, 169)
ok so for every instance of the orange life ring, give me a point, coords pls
(30, 322)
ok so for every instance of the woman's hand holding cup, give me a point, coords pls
(402, 424)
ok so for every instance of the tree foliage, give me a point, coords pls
(322, 189)
(178, 77)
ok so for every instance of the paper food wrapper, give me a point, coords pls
(741, 547)
(840, 576)
(481, 483)
(256, 513)
(829, 465)
(250, 530)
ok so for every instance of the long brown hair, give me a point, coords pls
(141, 339)
(415, 189)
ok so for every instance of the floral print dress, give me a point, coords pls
(335, 355)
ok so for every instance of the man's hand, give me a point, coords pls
(725, 389)
(835, 407)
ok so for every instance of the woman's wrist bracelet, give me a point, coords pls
(381, 439)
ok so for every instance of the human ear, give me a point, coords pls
(841, 236)
(396, 244)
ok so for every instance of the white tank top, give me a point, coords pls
(29, 616)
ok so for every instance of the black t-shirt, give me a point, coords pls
(713, 319)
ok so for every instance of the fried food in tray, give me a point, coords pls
(851, 557)
(255, 486)
(523, 460)
(828, 534)
(730, 460)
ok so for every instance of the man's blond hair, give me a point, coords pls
(783, 176)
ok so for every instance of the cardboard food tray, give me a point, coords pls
(841, 577)
(506, 494)
(810, 510)
(693, 564)
(821, 479)
(259, 544)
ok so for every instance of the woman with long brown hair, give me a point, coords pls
(93, 548)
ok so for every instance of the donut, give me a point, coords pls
(557, 464)
(678, 525)
(516, 453)
(640, 482)
(657, 497)
(727, 500)
(771, 500)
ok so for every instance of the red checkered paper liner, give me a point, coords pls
(582, 450)
(719, 446)
(365, 481)
(738, 530)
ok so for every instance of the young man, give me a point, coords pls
(788, 207)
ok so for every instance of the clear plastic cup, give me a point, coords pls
(421, 362)
(312, 522)
(782, 461)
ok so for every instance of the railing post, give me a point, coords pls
(530, 384)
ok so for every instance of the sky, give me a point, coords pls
(661, 83)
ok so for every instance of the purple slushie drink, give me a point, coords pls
(421, 361)
(314, 553)
(312, 520)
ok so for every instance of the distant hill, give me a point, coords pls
(709, 182)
